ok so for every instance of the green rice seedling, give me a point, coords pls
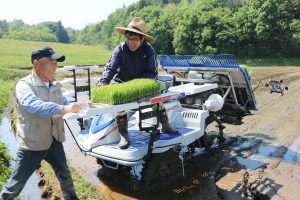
(130, 91)
(246, 68)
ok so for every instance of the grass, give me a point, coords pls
(83, 188)
(264, 62)
(12, 74)
(5, 94)
(16, 53)
(126, 92)
(5, 158)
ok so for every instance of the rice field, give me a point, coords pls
(16, 53)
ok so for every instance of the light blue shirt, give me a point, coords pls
(35, 105)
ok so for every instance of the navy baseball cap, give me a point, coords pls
(46, 52)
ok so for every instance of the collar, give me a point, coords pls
(37, 81)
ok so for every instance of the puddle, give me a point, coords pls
(293, 153)
(198, 183)
(249, 163)
(31, 190)
(244, 145)
(259, 158)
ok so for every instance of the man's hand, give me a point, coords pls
(71, 108)
(99, 84)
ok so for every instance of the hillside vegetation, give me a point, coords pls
(250, 28)
(246, 28)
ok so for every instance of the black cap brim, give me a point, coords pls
(59, 58)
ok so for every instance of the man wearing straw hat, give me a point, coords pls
(133, 59)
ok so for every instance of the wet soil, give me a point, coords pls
(261, 159)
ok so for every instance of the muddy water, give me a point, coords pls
(198, 183)
(31, 190)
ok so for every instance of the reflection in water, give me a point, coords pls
(293, 153)
(31, 190)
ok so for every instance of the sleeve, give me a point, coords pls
(66, 101)
(33, 104)
(151, 65)
(111, 67)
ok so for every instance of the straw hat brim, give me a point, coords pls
(122, 31)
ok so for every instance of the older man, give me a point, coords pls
(40, 131)
(133, 59)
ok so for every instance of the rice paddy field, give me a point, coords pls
(16, 53)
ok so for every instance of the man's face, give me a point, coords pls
(133, 41)
(45, 68)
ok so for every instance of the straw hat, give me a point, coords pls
(137, 25)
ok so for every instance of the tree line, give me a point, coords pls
(251, 28)
(45, 31)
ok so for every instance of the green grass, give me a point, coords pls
(4, 164)
(5, 94)
(126, 92)
(16, 53)
(83, 188)
(264, 62)
(12, 74)
(246, 68)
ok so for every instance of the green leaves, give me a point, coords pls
(5, 93)
(130, 91)
(251, 28)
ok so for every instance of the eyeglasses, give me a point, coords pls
(133, 39)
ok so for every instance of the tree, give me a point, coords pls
(16, 25)
(73, 34)
(61, 33)
(89, 35)
(3, 28)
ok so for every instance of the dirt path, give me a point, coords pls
(263, 162)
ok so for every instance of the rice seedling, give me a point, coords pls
(130, 91)
(246, 69)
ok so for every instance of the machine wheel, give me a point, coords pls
(212, 130)
(161, 170)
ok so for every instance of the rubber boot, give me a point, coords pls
(122, 123)
(165, 125)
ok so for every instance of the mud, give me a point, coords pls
(260, 160)
(271, 157)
